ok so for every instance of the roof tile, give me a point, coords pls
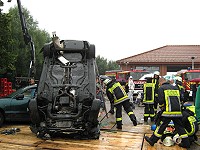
(169, 53)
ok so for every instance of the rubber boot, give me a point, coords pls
(185, 143)
(152, 119)
(112, 108)
(133, 119)
(119, 124)
(145, 120)
(152, 140)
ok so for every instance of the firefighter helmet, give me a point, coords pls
(168, 141)
(105, 79)
(157, 73)
(178, 78)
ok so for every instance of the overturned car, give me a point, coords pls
(65, 102)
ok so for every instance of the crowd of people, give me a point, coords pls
(163, 103)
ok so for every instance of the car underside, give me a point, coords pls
(66, 102)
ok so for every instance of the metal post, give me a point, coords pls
(192, 62)
(127, 65)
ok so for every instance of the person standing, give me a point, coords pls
(131, 86)
(156, 82)
(148, 100)
(169, 103)
(181, 88)
(116, 94)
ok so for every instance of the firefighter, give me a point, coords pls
(156, 82)
(148, 100)
(180, 87)
(190, 124)
(116, 94)
(169, 103)
(100, 92)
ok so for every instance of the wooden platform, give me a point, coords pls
(131, 138)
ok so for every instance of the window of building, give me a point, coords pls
(151, 69)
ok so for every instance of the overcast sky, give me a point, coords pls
(119, 28)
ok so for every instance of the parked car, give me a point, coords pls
(14, 107)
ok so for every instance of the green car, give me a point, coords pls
(14, 107)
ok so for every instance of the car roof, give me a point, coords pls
(30, 86)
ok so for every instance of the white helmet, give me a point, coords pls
(106, 81)
(178, 78)
(157, 73)
(168, 141)
(131, 77)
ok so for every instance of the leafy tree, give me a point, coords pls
(22, 51)
(103, 65)
(7, 57)
(112, 65)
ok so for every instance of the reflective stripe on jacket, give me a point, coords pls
(193, 123)
(169, 99)
(118, 92)
(149, 89)
(172, 100)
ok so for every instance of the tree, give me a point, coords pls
(7, 57)
(103, 65)
(22, 51)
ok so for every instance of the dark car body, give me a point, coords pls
(14, 107)
(66, 102)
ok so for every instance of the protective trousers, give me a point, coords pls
(155, 104)
(149, 112)
(127, 108)
(178, 127)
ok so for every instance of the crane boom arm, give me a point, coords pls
(27, 39)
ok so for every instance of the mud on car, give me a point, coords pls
(66, 102)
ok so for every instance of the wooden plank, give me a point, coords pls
(24, 137)
(159, 146)
(6, 146)
(107, 140)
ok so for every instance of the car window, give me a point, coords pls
(29, 93)
(15, 93)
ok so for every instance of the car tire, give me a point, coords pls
(33, 112)
(2, 118)
(46, 50)
(96, 104)
(91, 52)
(95, 132)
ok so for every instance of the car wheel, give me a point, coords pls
(46, 50)
(33, 111)
(2, 118)
(95, 108)
(95, 133)
(91, 52)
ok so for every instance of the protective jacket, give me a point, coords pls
(190, 122)
(149, 89)
(181, 89)
(156, 82)
(116, 93)
(169, 100)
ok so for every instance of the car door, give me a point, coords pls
(19, 105)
